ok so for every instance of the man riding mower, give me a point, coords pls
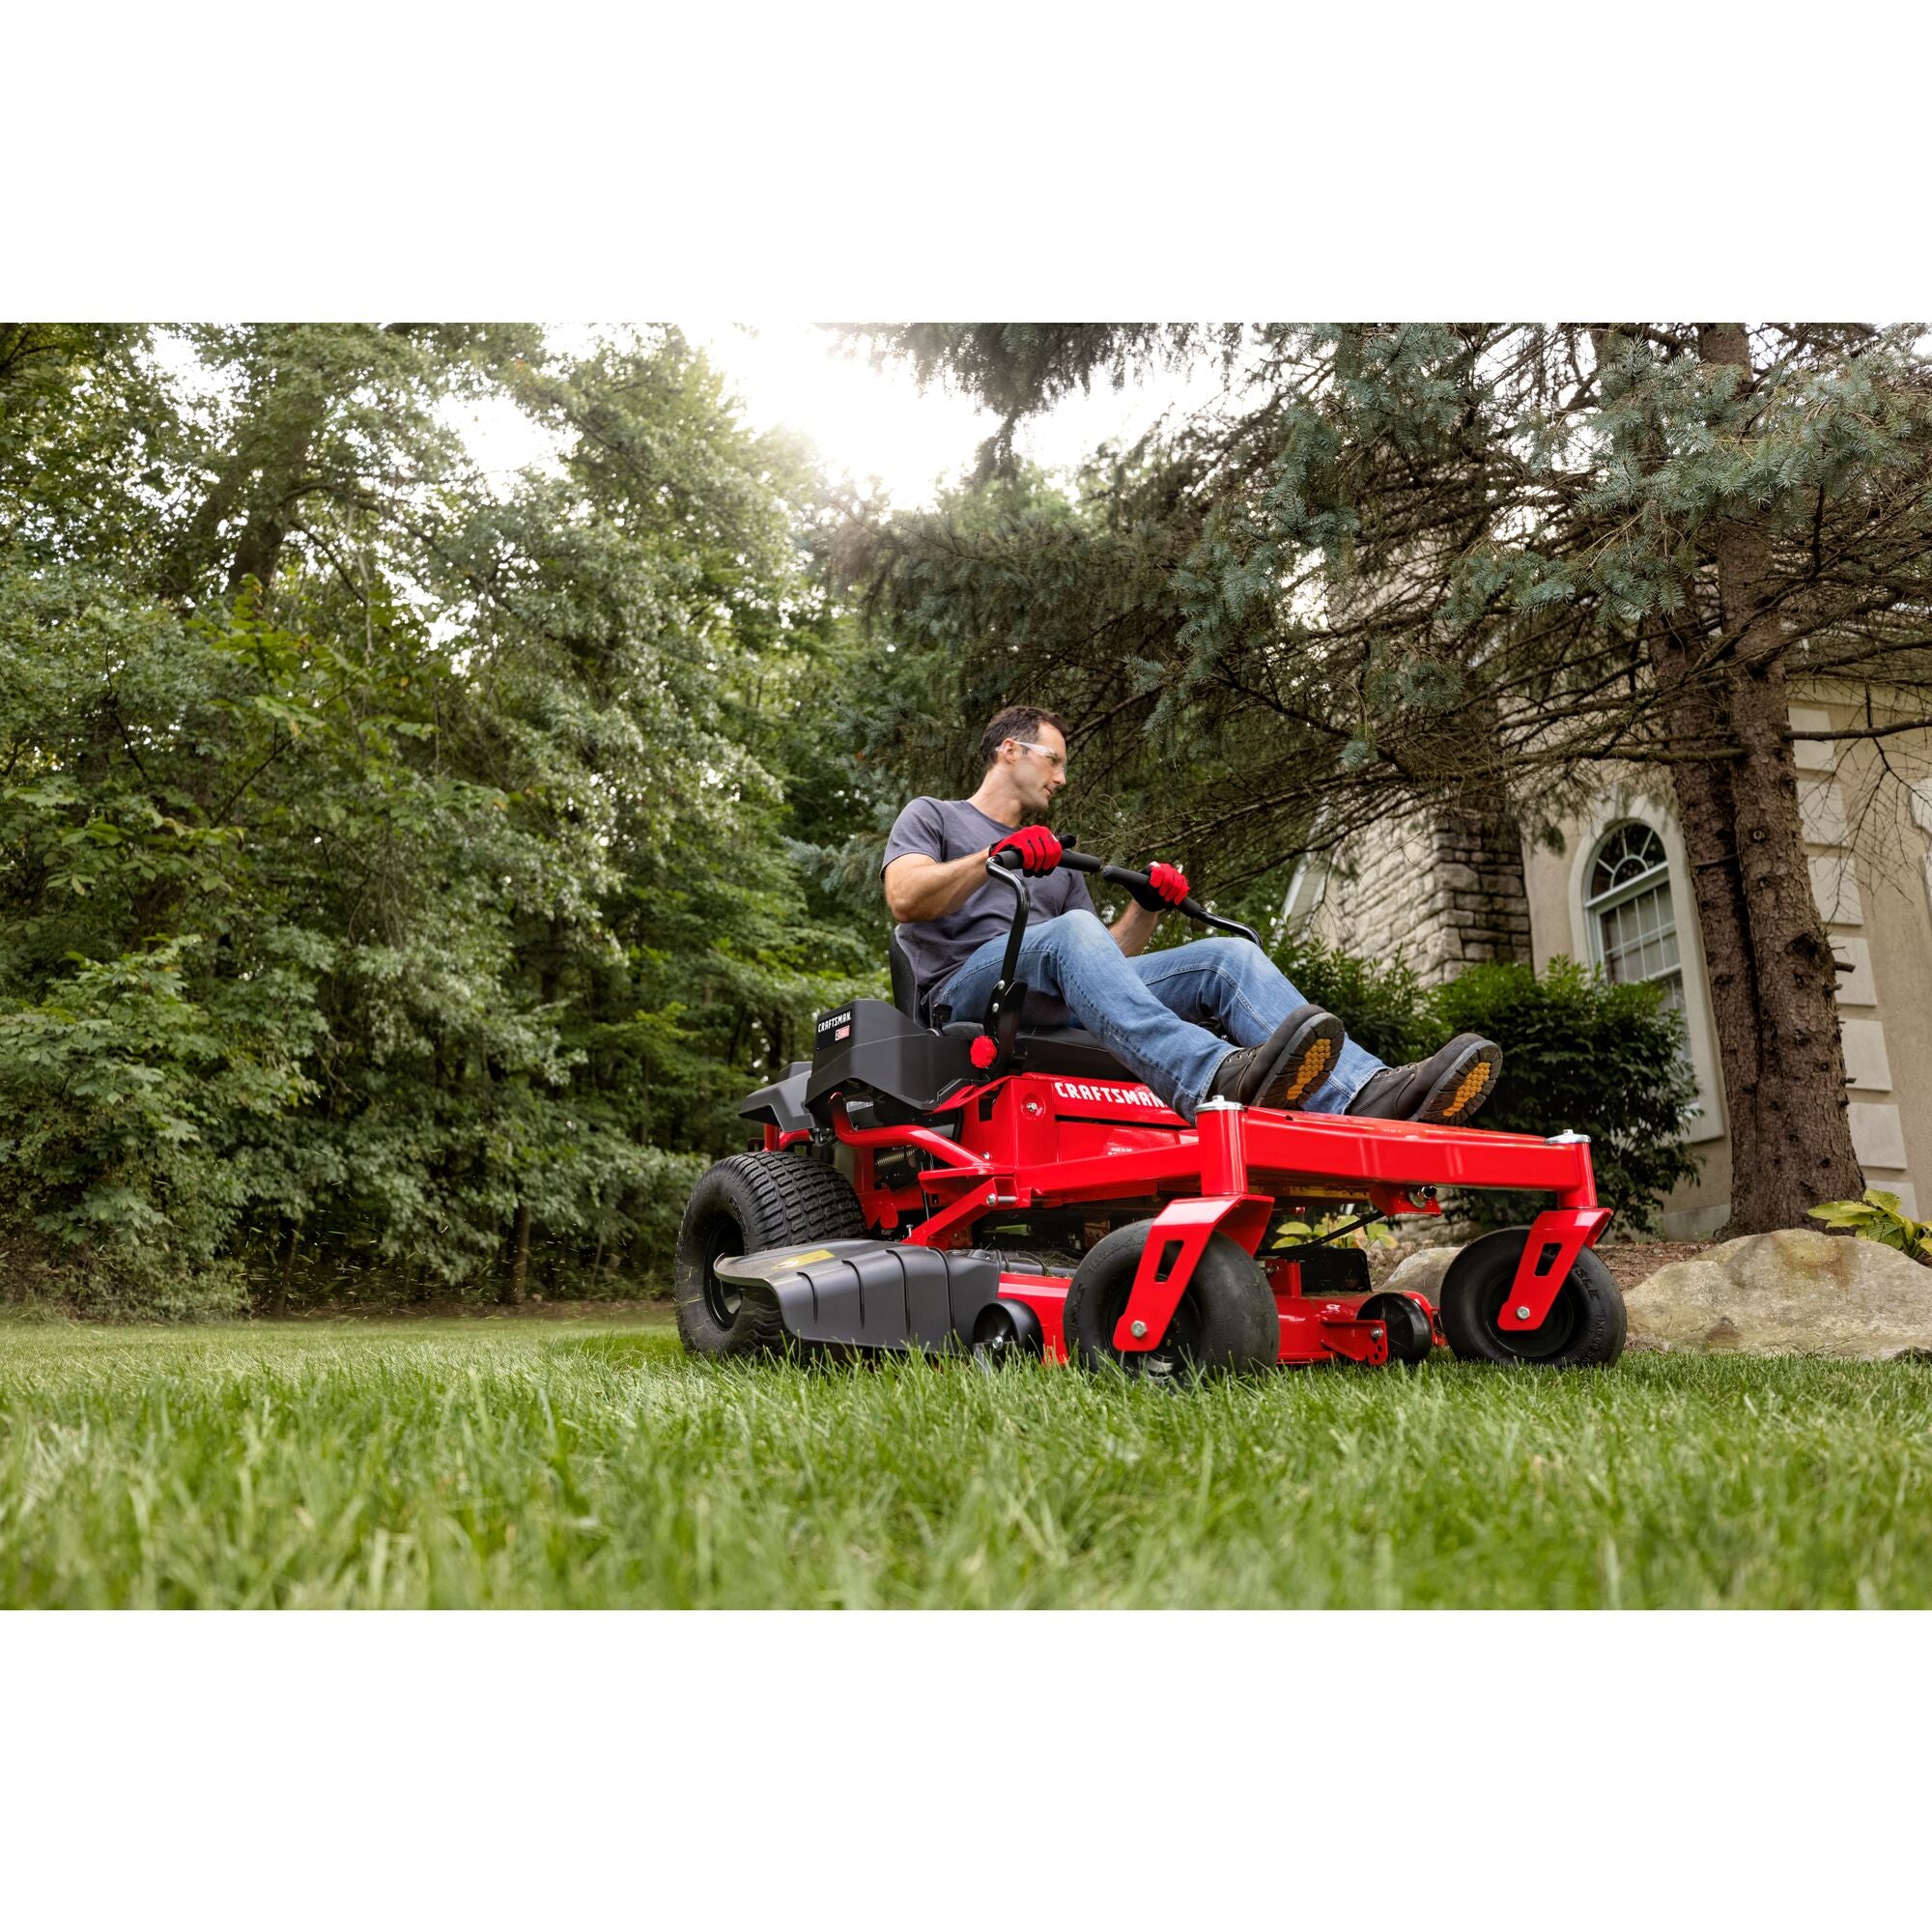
(1053, 1142)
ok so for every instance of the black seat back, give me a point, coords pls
(904, 980)
(1054, 1050)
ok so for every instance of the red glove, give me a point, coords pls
(1167, 886)
(1037, 847)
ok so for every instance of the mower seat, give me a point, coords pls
(1072, 1051)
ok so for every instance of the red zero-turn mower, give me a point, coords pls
(985, 1188)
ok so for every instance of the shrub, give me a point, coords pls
(1578, 1052)
(1384, 1006)
(1880, 1217)
(115, 1090)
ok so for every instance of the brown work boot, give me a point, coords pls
(1445, 1090)
(1288, 1066)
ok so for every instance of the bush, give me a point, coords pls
(117, 1092)
(1578, 1052)
(1880, 1216)
(1383, 1006)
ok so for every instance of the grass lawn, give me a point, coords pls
(549, 1463)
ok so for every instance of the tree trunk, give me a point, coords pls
(288, 1269)
(1773, 981)
(519, 1256)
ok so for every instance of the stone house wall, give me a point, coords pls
(1443, 891)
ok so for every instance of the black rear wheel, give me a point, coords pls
(750, 1202)
(1225, 1321)
(1585, 1326)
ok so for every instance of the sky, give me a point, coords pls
(865, 422)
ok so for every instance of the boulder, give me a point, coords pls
(1422, 1272)
(1793, 1292)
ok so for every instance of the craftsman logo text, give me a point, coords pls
(1118, 1097)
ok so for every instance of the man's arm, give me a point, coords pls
(1133, 928)
(917, 886)
(920, 887)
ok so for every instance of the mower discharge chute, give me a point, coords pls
(982, 1187)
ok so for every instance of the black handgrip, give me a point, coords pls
(1009, 964)
(1120, 875)
(1008, 860)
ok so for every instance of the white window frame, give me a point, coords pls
(1708, 1122)
(1594, 909)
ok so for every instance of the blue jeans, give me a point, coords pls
(1149, 1010)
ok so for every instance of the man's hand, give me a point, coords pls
(1037, 847)
(1166, 886)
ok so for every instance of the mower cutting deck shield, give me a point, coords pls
(980, 1187)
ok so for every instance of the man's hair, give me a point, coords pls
(1016, 720)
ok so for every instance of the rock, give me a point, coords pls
(1422, 1272)
(1793, 1292)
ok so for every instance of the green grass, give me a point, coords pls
(464, 1464)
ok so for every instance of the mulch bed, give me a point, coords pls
(1633, 1261)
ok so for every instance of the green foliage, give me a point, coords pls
(399, 866)
(1331, 1228)
(1382, 1004)
(1578, 1054)
(1880, 1217)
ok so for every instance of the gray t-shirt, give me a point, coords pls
(949, 827)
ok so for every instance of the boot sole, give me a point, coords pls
(1462, 1089)
(1304, 1063)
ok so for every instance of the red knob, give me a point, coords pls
(982, 1051)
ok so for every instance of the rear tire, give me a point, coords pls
(1584, 1328)
(751, 1202)
(1225, 1323)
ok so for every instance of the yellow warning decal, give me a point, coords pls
(799, 1260)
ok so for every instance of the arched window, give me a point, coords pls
(1627, 902)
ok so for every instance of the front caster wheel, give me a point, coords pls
(1006, 1331)
(1225, 1322)
(1584, 1328)
(1409, 1336)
